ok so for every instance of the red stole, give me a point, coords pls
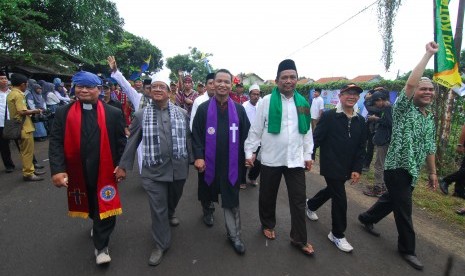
(107, 193)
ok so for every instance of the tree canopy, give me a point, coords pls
(192, 63)
(87, 30)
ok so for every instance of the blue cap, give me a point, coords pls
(86, 78)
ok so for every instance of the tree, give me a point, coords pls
(193, 63)
(387, 11)
(428, 73)
(88, 30)
(19, 24)
(133, 50)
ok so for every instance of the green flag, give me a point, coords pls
(447, 73)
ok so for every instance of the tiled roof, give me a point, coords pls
(330, 79)
(364, 78)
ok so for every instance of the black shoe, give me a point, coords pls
(413, 261)
(443, 186)
(208, 219)
(369, 227)
(10, 169)
(39, 172)
(174, 221)
(156, 256)
(238, 245)
(38, 166)
(459, 195)
(32, 178)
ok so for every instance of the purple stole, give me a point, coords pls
(210, 142)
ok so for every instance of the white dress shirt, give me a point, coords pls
(3, 107)
(251, 109)
(288, 148)
(198, 101)
(317, 105)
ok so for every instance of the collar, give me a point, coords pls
(341, 111)
(17, 90)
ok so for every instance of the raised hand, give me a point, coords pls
(112, 63)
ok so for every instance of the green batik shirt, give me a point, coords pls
(412, 137)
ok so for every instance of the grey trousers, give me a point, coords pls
(160, 194)
(381, 152)
(232, 220)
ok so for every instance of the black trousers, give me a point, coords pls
(102, 229)
(207, 205)
(270, 179)
(397, 199)
(336, 191)
(5, 151)
(370, 147)
(459, 178)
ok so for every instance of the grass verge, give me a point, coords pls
(434, 202)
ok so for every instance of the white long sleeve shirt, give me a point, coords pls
(133, 96)
(61, 98)
(288, 148)
(251, 110)
(52, 99)
(3, 107)
(198, 101)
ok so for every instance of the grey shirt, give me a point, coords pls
(170, 169)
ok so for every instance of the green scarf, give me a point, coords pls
(276, 112)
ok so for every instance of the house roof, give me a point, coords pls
(304, 81)
(330, 79)
(365, 78)
(253, 74)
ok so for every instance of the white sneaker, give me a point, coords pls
(310, 214)
(342, 244)
(102, 256)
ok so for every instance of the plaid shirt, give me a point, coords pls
(181, 100)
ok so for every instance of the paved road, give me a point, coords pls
(37, 237)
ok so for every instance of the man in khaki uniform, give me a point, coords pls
(18, 110)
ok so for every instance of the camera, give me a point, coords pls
(42, 117)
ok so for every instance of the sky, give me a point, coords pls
(253, 36)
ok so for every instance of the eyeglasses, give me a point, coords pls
(350, 92)
(80, 87)
(158, 87)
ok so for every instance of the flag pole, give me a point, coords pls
(459, 30)
(435, 35)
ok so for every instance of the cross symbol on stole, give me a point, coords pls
(233, 128)
(77, 196)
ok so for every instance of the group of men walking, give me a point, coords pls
(90, 154)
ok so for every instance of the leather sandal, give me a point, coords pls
(269, 233)
(307, 249)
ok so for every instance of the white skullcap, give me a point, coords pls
(253, 87)
(159, 77)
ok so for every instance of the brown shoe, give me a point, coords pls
(32, 178)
